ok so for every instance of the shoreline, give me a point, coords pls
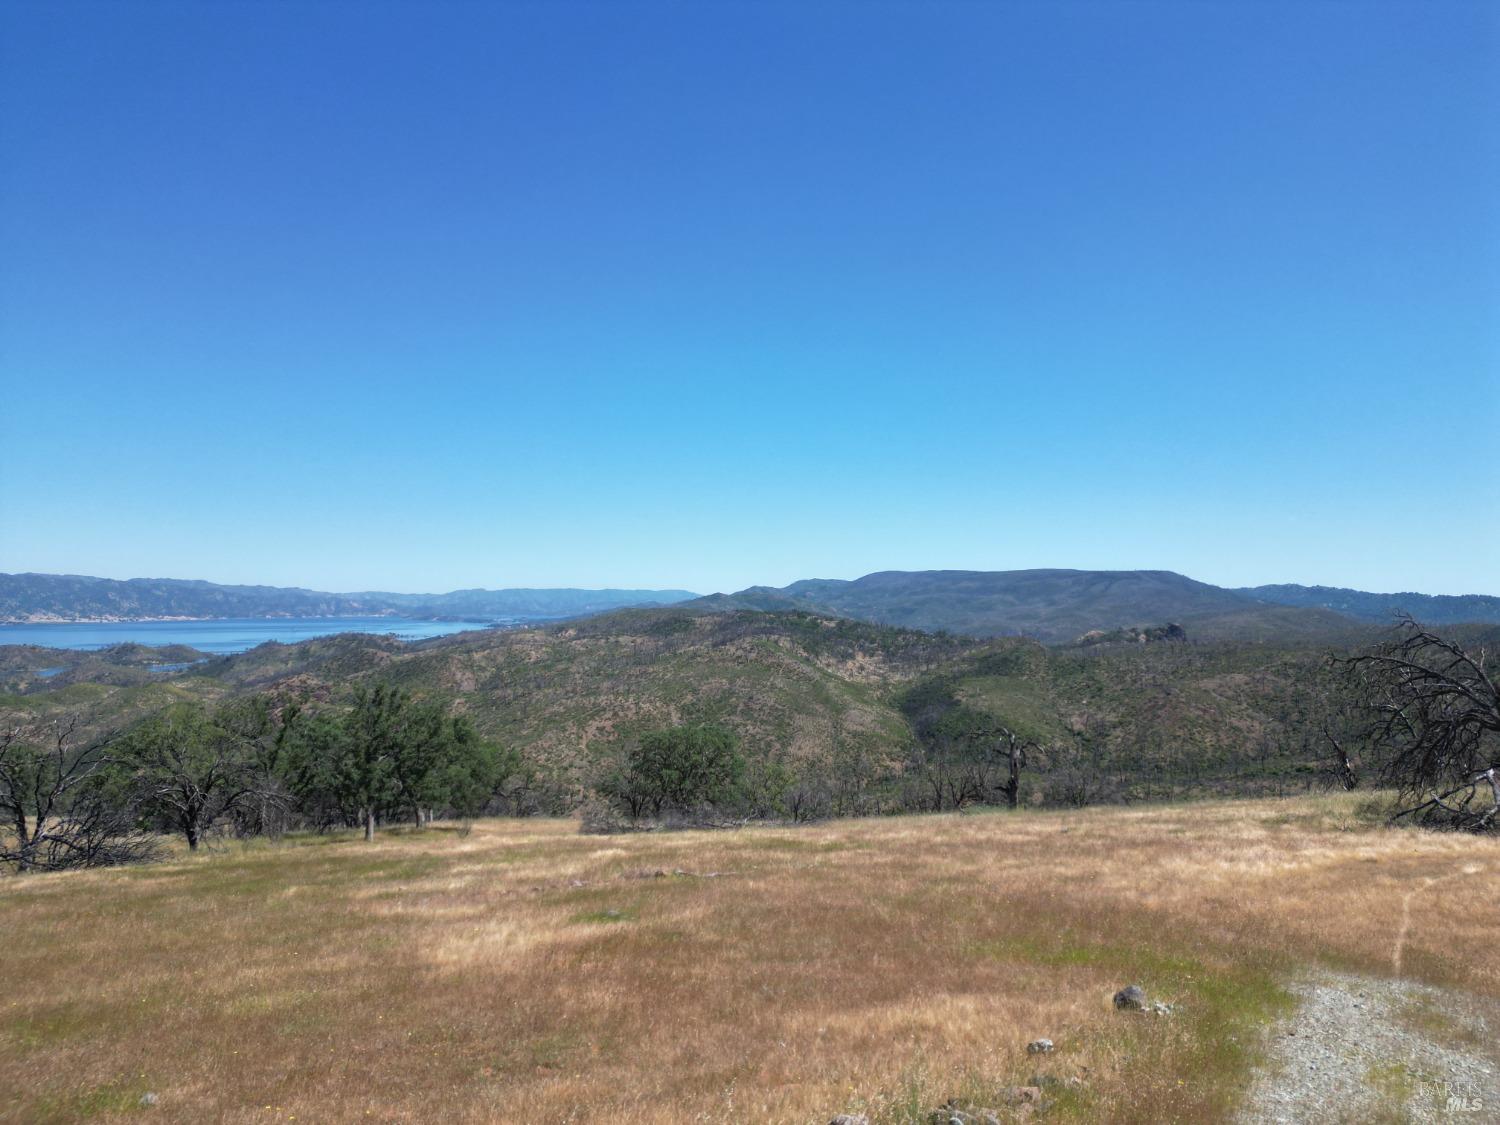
(222, 636)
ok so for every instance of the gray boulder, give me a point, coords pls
(1131, 999)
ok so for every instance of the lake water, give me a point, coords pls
(228, 635)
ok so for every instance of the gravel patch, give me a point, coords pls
(1362, 1049)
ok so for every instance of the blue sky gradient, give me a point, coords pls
(421, 296)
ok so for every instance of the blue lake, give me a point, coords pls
(228, 635)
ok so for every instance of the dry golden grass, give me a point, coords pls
(527, 973)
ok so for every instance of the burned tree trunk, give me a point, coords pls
(1014, 754)
(1015, 761)
(1343, 768)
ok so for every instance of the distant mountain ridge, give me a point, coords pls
(1054, 606)
(74, 597)
(1061, 605)
(1430, 609)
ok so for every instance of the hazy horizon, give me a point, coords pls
(652, 295)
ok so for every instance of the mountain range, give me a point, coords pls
(1053, 606)
(1061, 605)
(74, 597)
(1431, 609)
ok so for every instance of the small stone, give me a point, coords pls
(1131, 999)
(1157, 1008)
(149, 1099)
(1040, 1047)
(850, 1119)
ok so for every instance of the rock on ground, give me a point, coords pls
(1131, 999)
(1365, 1049)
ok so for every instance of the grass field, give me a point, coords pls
(523, 972)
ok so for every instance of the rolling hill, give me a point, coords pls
(847, 690)
(830, 706)
(792, 686)
(1053, 606)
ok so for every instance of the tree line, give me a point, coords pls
(253, 766)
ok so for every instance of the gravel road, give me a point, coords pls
(1363, 1049)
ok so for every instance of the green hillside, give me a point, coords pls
(857, 715)
(795, 688)
(1154, 721)
(28, 667)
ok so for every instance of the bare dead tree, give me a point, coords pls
(34, 781)
(1343, 766)
(1435, 713)
(1017, 754)
(58, 812)
(186, 769)
(195, 769)
(1014, 754)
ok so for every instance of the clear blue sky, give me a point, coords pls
(418, 296)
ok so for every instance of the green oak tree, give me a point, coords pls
(679, 768)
